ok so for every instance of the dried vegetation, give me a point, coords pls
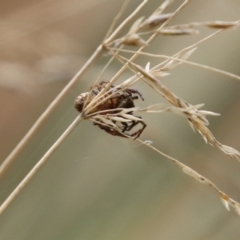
(141, 33)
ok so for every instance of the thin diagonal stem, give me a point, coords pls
(46, 156)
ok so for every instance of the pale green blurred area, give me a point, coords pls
(96, 186)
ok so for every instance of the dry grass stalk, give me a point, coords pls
(117, 118)
(226, 200)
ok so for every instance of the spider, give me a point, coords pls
(124, 98)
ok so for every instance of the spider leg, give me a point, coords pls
(125, 127)
(130, 91)
(139, 132)
(128, 128)
(109, 130)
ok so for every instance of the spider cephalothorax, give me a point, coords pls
(116, 98)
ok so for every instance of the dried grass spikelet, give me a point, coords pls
(226, 200)
(172, 63)
(189, 28)
(155, 20)
(222, 24)
(175, 32)
(157, 17)
(132, 37)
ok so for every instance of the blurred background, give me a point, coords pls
(96, 186)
